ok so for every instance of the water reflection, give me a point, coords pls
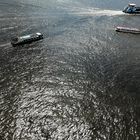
(81, 96)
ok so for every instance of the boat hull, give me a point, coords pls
(136, 12)
(128, 30)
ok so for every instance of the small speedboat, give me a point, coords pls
(127, 30)
(26, 39)
(132, 9)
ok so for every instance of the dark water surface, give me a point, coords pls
(81, 82)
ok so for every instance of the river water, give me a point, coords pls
(81, 82)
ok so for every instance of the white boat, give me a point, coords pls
(132, 9)
(127, 30)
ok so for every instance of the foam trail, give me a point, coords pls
(98, 12)
(6, 44)
(8, 28)
(92, 11)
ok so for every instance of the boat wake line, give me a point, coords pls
(98, 12)
(92, 11)
(8, 28)
(6, 44)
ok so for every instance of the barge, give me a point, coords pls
(26, 39)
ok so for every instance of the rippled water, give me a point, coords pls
(81, 82)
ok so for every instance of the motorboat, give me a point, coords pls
(26, 39)
(132, 9)
(127, 30)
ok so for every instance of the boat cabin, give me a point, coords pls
(130, 8)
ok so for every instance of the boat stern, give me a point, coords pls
(14, 41)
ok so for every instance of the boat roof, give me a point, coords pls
(132, 4)
(127, 28)
(38, 33)
(25, 37)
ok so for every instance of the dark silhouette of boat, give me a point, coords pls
(26, 39)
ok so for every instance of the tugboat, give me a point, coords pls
(132, 9)
(26, 39)
(127, 30)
